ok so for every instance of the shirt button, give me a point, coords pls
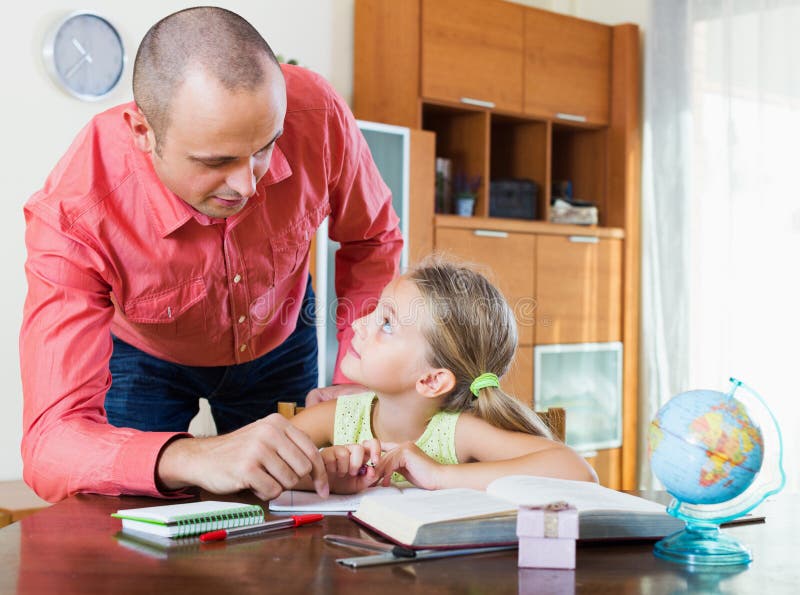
(243, 347)
(237, 278)
(242, 319)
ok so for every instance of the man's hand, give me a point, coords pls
(318, 395)
(268, 456)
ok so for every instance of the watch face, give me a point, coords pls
(85, 55)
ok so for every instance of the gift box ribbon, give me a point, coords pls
(551, 516)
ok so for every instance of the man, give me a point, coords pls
(168, 260)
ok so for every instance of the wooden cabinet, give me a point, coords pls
(472, 52)
(518, 381)
(558, 100)
(514, 276)
(567, 67)
(578, 289)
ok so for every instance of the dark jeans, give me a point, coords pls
(151, 394)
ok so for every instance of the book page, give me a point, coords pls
(297, 501)
(445, 505)
(529, 490)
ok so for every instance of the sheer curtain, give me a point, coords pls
(721, 206)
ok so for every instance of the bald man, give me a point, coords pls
(168, 257)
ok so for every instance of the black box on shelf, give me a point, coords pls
(513, 198)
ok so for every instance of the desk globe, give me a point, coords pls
(718, 455)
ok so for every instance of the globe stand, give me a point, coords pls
(702, 543)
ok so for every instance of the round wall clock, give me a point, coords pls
(85, 56)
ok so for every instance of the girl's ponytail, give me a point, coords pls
(504, 411)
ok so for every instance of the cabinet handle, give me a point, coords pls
(478, 102)
(486, 233)
(584, 239)
(570, 117)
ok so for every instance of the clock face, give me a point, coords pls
(85, 56)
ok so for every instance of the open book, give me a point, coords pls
(462, 517)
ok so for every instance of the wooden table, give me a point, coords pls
(70, 548)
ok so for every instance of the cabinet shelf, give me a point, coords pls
(492, 145)
(519, 225)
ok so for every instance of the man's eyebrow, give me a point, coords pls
(223, 158)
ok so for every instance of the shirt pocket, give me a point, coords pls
(290, 251)
(180, 309)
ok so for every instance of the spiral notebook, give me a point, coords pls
(190, 518)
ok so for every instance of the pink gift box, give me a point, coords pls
(541, 552)
(547, 535)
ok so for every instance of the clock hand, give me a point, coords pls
(85, 57)
(79, 47)
(78, 64)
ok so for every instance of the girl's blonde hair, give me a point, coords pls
(472, 332)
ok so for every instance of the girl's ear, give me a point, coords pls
(436, 382)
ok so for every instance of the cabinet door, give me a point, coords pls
(567, 67)
(509, 258)
(518, 381)
(472, 50)
(578, 289)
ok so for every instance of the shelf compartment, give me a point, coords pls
(462, 135)
(580, 155)
(519, 150)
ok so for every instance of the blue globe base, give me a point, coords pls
(702, 544)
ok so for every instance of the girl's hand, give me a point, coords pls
(351, 467)
(409, 460)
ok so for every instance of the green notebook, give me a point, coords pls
(190, 518)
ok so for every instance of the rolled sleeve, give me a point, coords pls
(68, 446)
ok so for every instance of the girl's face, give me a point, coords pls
(388, 351)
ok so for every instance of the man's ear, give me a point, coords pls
(141, 131)
(436, 382)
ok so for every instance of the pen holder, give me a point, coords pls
(547, 535)
(465, 205)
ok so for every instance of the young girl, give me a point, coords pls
(432, 353)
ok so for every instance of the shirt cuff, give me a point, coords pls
(136, 466)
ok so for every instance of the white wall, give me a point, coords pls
(40, 121)
(610, 12)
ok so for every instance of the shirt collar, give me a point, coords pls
(169, 212)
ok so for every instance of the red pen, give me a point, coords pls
(293, 521)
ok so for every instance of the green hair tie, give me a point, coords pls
(484, 381)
